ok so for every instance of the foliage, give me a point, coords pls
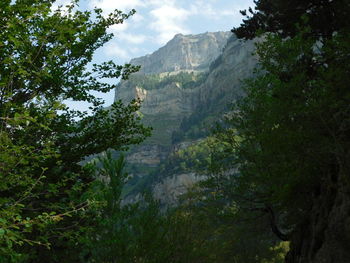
(17, 161)
(285, 144)
(137, 232)
(221, 232)
(293, 124)
(198, 124)
(203, 229)
(43, 190)
(212, 225)
(281, 16)
(199, 156)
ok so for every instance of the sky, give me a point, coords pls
(155, 23)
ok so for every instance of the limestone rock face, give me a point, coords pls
(191, 52)
(170, 99)
(225, 59)
(192, 76)
(234, 64)
(150, 155)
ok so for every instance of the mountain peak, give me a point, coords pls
(184, 52)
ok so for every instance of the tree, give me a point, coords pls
(44, 56)
(281, 16)
(126, 232)
(293, 126)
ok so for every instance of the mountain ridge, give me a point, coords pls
(182, 104)
(184, 52)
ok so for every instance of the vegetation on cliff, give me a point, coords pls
(185, 80)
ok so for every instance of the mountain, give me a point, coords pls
(191, 52)
(185, 87)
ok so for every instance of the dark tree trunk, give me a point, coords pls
(324, 237)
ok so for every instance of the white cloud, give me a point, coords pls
(119, 27)
(135, 50)
(168, 20)
(207, 8)
(109, 6)
(132, 38)
(158, 3)
(113, 49)
(137, 18)
(200, 7)
(121, 51)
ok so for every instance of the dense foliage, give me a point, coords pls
(202, 229)
(281, 16)
(294, 126)
(44, 56)
(280, 158)
(285, 130)
(123, 233)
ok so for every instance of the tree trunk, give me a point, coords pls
(324, 237)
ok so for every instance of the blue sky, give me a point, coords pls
(156, 22)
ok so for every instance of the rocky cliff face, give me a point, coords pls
(191, 78)
(190, 52)
(234, 64)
